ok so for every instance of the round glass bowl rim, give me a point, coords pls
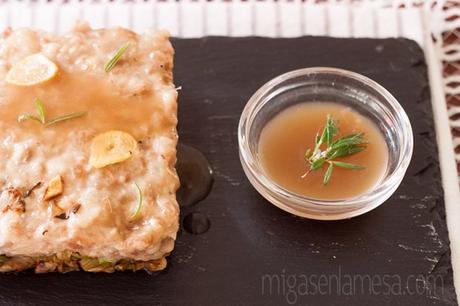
(258, 100)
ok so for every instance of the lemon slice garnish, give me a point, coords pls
(32, 70)
(111, 147)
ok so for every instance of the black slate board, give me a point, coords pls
(251, 241)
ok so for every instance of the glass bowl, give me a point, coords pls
(329, 85)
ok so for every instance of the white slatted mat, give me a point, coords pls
(199, 18)
(145, 16)
(290, 19)
(217, 20)
(315, 19)
(240, 18)
(119, 14)
(95, 14)
(265, 19)
(363, 15)
(387, 23)
(167, 17)
(191, 19)
(339, 20)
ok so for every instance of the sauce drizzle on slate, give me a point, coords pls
(195, 175)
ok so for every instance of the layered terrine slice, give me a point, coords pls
(87, 149)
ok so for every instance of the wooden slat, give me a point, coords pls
(216, 21)
(241, 18)
(95, 14)
(192, 19)
(143, 16)
(167, 16)
(339, 20)
(119, 15)
(387, 23)
(315, 19)
(291, 15)
(363, 23)
(265, 19)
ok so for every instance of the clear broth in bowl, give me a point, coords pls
(286, 137)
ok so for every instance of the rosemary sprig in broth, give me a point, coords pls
(345, 146)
